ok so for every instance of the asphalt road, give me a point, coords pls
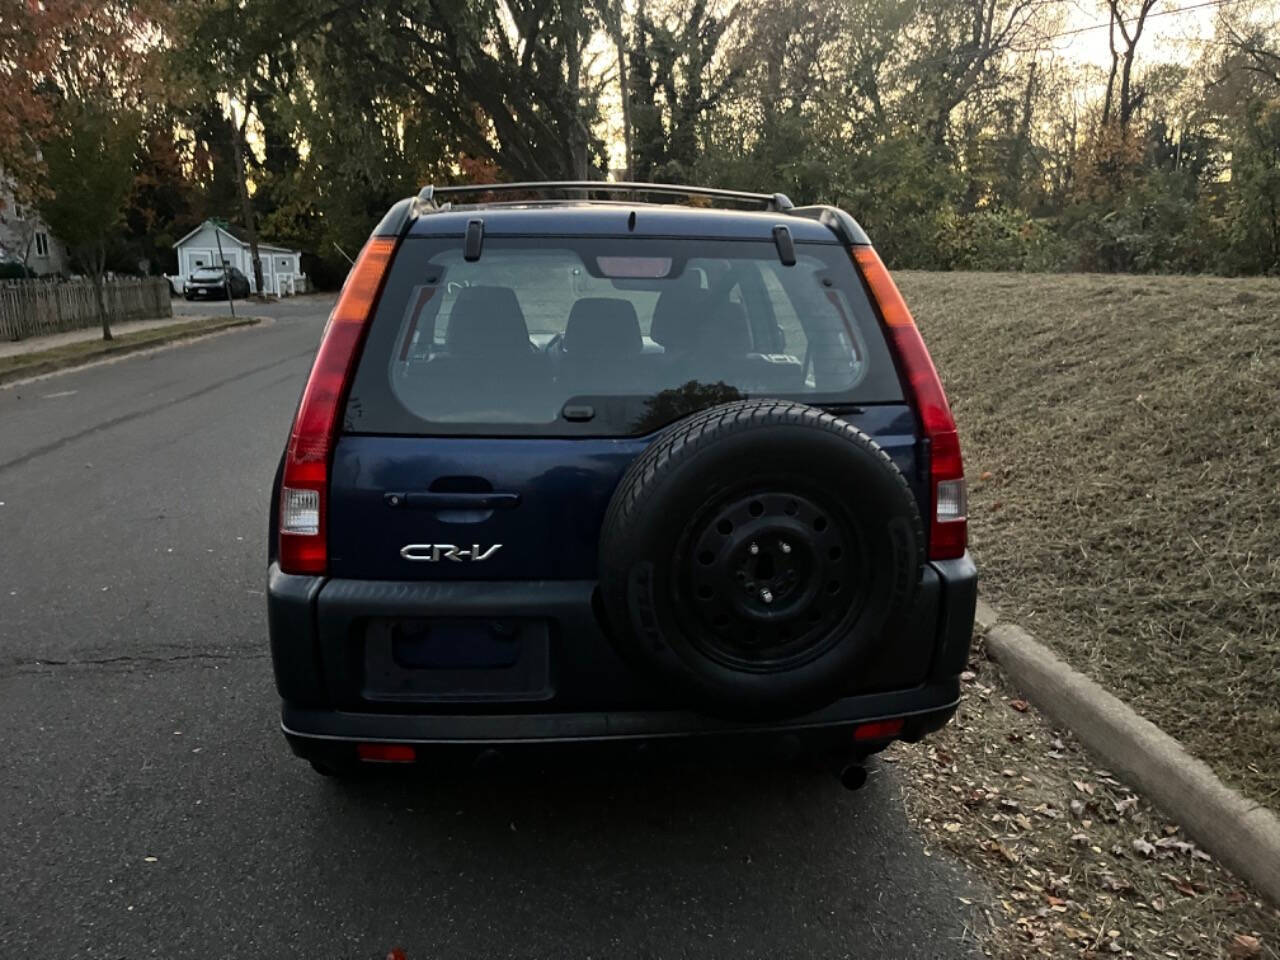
(150, 807)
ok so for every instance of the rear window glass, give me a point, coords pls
(207, 273)
(567, 336)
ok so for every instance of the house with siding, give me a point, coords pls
(26, 239)
(281, 266)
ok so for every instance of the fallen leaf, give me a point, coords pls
(1115, 884)
(1005, 852)
(396, 954)
(1170, 843)
(1244, 947)
(1144, 848)
(1020, 705)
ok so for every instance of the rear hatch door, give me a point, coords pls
(498, 401)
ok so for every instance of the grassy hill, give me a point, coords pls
(1122, 442)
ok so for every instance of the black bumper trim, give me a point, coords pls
(933, 705)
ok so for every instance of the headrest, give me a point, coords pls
(679, 306)
(603, 327)
(725, 332)
(489, 321)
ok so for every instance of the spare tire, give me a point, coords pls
(757, 554)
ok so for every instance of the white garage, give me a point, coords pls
(281, 267)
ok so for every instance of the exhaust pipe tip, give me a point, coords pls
(853, 776)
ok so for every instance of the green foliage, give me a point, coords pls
(89, 173)
(935, 122)
(1005, 240)
(1253, 210)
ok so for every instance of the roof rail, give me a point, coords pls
(427, 196)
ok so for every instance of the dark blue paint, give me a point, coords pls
(564, 484)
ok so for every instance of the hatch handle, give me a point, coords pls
(428, 500)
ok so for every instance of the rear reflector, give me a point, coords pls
(878, 730)
(386, 753)
(948, 526)
(305, 485)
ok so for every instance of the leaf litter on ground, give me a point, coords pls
(1076, 864)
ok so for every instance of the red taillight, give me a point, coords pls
(878, 730)
(304, 486)
(386, 752)
(948, 527)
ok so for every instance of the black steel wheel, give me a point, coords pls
(771, 575)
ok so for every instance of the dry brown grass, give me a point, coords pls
(1122, 439)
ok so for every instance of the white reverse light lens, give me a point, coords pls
(300, 511)
(952, 500)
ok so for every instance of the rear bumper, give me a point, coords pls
(316, 636)
(925, 709)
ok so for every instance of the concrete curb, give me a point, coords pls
(113, 349)
(1240, 833)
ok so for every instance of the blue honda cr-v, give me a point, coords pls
(604, 469)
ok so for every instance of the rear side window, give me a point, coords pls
(564, 336)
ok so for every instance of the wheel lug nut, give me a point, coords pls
(766, 595)
(753, 549)
(784, 546)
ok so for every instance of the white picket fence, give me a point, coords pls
(31, 308)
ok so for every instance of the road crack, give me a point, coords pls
(35, 663)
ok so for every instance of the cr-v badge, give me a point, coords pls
(434, 552)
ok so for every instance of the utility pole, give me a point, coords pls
(218, 227)
(246, 208)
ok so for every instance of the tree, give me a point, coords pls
(672, 67)
(25, 48)
(164, 200)
(614, 15)
(1122, 106)
(237, 50)
(505, 79)
(97, 85)
(89, 173)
